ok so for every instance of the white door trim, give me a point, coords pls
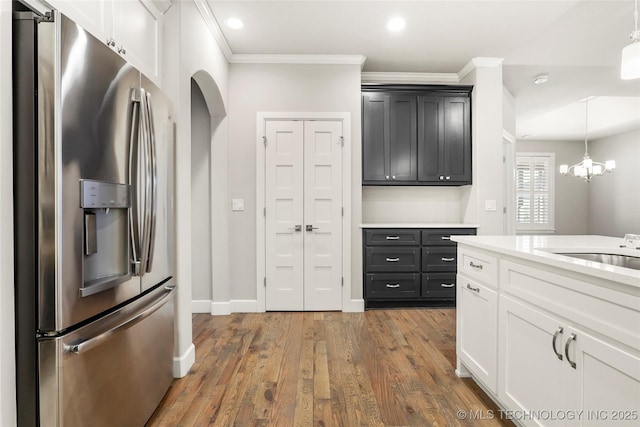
(262, 118)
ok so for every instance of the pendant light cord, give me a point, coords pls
(635, 36)
(586, 126)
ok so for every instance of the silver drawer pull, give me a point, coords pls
(393, 259)
(471, 288)
(478, 266)
(572, 337)
(445, 238)
(447, 285)
(393, 237)
(448, 259)
(393, 285)
(553, 341)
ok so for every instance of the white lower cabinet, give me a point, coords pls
(558, 375)
(476, 329)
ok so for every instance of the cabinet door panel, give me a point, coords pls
(430, 122)
(606, 382)
(375, 163)
(93, 16)
(402, 138)
(531, 377)
(137, 29)
(477, 330)
(456, 143)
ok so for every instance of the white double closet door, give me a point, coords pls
(303, 197)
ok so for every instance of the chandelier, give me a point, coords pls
(587, 168)
(630, 64)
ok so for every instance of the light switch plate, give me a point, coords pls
(490, 205)
(237, 204)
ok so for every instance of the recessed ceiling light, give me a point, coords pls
(541, 79)
(396, 24)
(234, 23)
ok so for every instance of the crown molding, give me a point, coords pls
(214, 27)
(479, 62)
(419, 78)
(298, 59)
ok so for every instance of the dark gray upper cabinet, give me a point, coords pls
(390, 134)
(414, 135)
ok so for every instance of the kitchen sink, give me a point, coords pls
(625, 261)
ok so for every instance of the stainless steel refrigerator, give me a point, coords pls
(94, 230)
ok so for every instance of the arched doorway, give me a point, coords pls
(209, 237)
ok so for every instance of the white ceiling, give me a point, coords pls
(576, 42)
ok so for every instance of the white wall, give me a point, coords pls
(201, 196)
(571, 194)
(508, 112)
(283, 88)
(487, 126)
(7, 337)
(411, 204)
(191, 51)
(614, 199)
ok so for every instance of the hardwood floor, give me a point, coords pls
(377, 368)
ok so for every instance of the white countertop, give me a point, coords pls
(417, 225)
(548, 249)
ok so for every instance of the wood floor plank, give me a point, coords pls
(377, 368)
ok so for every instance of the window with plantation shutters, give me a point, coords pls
(534, 192)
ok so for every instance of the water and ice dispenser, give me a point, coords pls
(105, 235)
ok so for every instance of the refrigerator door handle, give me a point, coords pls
(154, 182)
(134, 154)
(144, 140)
(99, 339)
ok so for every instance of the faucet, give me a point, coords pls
(631, 241)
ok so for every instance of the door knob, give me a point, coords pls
(310, 227)
(297, 227)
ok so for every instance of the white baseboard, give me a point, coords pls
(353, 306)
(220, 308)
(182, 364)
(245, 306)
(201, 306)
(223, 308)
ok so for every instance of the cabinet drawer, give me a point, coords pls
(384, 259)
(439, 285)
(478, 265)
(392, 237)
(439, 258)
(392, 286)
(442, 236)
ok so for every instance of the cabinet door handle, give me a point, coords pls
(448, 285)
(572, 337)
(445, 238)
(478, 266)
(448, 178)
(122, 50)
(471, 288)
(441, 177)
(393, 259)
(386, 177)
(393, 237)
(448, 259)
(553, 341)
(393, 177)
(111, 42)
(393, 285)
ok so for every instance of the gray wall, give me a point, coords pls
(614, 199)
(201, 195)
(571, 194)
(257, 88)
(610, 204)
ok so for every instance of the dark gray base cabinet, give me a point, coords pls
(410, 267)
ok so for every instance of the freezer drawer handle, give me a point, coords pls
(99, 339)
